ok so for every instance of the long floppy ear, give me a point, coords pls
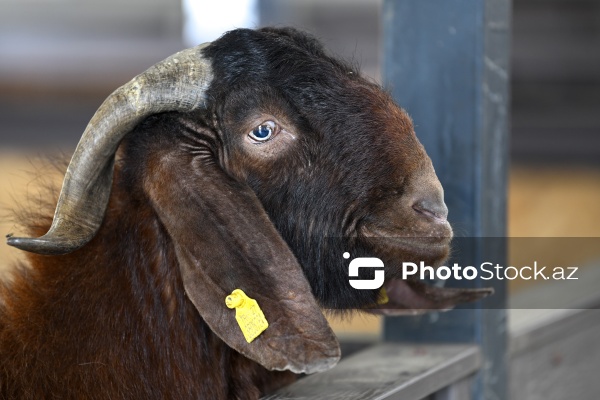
(224, 241)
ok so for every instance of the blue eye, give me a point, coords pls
(263, 132)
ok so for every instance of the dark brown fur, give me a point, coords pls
(128, 323)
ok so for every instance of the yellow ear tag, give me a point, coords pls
(383, 297)
(248, 314)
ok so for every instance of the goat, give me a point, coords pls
(252, 162)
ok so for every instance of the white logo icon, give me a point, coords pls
(365, 262)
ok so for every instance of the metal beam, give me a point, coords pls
(447, 62)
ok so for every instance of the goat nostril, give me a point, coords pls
(431, 208)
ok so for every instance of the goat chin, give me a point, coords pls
(253, 163)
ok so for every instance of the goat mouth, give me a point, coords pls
(413, 297)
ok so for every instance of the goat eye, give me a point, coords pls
(263, 132)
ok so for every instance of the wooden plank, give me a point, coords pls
(563, 364)
(460, 390)
(554, 353)
(447, 62)
(388, 371)
(575, 305)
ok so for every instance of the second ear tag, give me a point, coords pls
(383, 297)
(248, 314)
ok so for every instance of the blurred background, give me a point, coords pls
(60, 58)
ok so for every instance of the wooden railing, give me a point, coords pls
(391, 371)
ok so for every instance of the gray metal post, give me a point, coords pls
(447, 63)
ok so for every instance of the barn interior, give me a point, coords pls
(59, 59)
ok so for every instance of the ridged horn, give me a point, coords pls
(178, 83)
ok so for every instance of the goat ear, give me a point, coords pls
(224, 240)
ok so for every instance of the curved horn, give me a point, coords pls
(178, 83)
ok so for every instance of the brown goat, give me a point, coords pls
(251, 163)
